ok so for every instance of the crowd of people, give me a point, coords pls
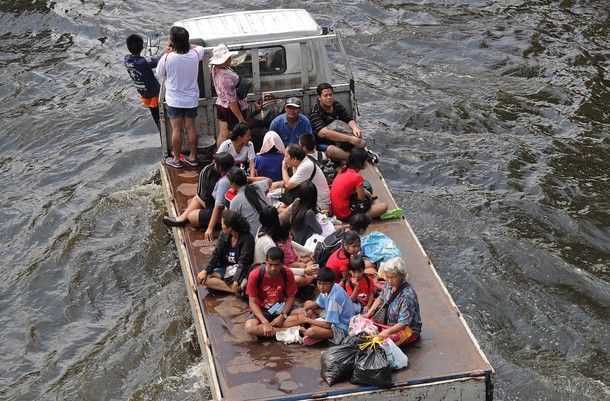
(271, 206)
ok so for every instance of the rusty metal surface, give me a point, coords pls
(253, 369)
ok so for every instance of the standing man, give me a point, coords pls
(324, 112)
(292, 123)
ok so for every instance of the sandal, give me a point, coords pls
(392, 214)
(187, 160)
(171, 162)
(373, 157)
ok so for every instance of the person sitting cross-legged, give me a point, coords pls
(275, 288)
(328, 317)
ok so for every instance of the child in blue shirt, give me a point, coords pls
(140, 70)
(329, 315)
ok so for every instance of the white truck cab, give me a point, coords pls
(283, 52)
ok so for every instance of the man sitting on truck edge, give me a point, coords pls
(271, 297)
(291, 124)
(324, 112)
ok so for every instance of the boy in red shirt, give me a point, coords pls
(276, 288)
(359, 286)
(350, 245)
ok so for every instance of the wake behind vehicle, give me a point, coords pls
(284, 53)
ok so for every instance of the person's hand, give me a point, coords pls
(208, 236)
(367, 315)
(278, 321)
(167, 50)
(383, 335)
(267, 329)
(365, 308)
(202, 276)
(357, 132)
(234, 286)
(355, 282)
(309, 271)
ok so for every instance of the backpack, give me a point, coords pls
(326, 165)
(205, 186)
(261, 276)
(330, 244)
(241, 291)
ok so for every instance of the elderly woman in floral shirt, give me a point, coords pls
(403, 321)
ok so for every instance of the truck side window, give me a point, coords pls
(271, 61)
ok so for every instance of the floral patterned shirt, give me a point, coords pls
(225, 80)
(404, 308)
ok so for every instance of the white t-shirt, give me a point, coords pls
(180, 72)
(247, 151)
(303, 173)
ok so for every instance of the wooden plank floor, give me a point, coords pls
(253, 369)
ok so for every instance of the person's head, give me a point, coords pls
(359, 223)
(292, 108)
(356, 267)
(269, 217)
(295, 152)
(234, 221)
(307, 142)
(308, 194)
(274, 259)
(221, 56)
(223, 162)
(325, 279)
(351, 243)
(326, 95)
(241, 132)
(394, 271)
(135, 44)
(237, 177)
(179, 39)
(357, 159)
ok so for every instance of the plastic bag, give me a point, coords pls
(377, 247)
(396, 358)
(289, 336)
(312, 241)
(358, 324)
(327, 226)
(338, 362)
(372, 368)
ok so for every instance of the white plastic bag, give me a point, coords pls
(327, 226)
(312, 241)
(290, 335)
(396, 357)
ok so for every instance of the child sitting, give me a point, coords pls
(329, 315)
(300, 265)
(350, 245)
(360, 287)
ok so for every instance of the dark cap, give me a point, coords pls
(294, 102)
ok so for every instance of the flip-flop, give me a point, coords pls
(309, 340)
(392, 214)
(171, 162)
(172, 222)
(373, 157)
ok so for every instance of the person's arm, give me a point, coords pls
(246, 256)
(367, 307)
(267, 329)
(288, 184)
(361, 192)
(355, 129)
(255, 179)
(354, 296)
(398, 327)
(303, 319)
(279, 321)
(214, 260)
(373, 307)
(252, 168)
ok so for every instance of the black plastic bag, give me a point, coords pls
(354, 340)
(338, 362)
(372, 368)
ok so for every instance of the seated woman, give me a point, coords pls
(269, 234)
(402, 320)
(239, 146)
(303, 213)
(292, 259)
(232, 256)
(348, 183)
(268, 162)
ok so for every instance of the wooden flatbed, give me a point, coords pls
(446, 364)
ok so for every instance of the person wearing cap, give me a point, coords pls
(292, 123)
(179, 65)
(336, 144)
(230, 110)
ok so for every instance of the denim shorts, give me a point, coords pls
(179, 112)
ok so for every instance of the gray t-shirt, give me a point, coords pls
(241, 205)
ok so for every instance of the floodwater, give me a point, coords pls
(492, 122)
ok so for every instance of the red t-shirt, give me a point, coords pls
(270, 290)
(344, 186)
(364, 289)
(338, 262)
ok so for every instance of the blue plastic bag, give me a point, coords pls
(378, 247)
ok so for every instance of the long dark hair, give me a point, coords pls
(238, 177)
(270, 223)
(180, 39)
(356, 160)
(308, 199)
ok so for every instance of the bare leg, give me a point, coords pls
(177, 127)
(255, 328)
(319, 332)
(303, 281)
(223, 133)
(377, 209)
(336, 154)
(215, 282)
(191, 135)
(195, 203)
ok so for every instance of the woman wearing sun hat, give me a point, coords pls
(230, 110)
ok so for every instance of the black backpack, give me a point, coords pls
(330, 244)
(259, 280)
(326, 165)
